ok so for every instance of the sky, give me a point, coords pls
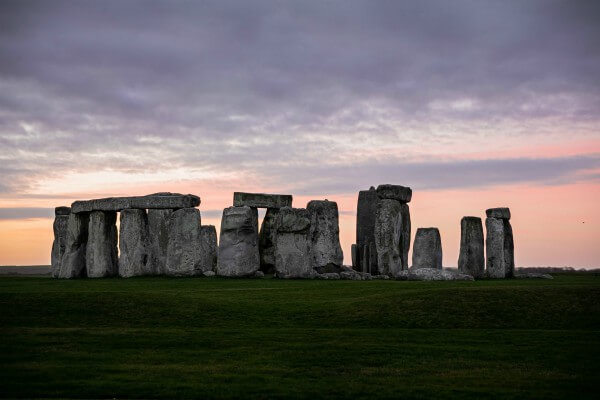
(473, 104)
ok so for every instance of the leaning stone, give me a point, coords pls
(395, 192)
(367, 205)
(101, 252)
(208, 238)
(73, 260)
(185, 249)
(325, 248)
(238, 244)
(427, 252)
(292, 248)
(59, 244)
(266, 240)
(388, 237)
(62, 210)
(499, 246)
(261, 200)
(157, 200)
(471, 259)
(133, 243)
(158, 229)
(501, 213)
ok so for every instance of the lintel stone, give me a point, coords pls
(157, 200)
(261, 200)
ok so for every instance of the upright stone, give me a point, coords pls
(388, 238)
(238, 245)
(326, 251)
(73, 260)
(292, 248)
(427, 252)
(355, 255)
(61, 220)
(471, 259)
(158, 230)
(133, 243)
(101, 251)
(208, 238)
(406, 227)
(266, 242)
(499, 244)
(185, 251)
(368, 202)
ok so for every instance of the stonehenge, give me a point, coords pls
(184, 246)
(133, 243)
(293, 244)
(157, 200)
(471, 259)
(238, 244)
(325, 249)
(499, 246)
(101, 250)
(61, 218)
(427, 251)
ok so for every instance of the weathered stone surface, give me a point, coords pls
(60, 241)
(101, 250)
(388, 237)
(259, 274)
(158, 235)
(328, 276)
(350, 274)
(368, 202)
(427, 252)
(185, 250)
(380, 277)
(208, 238)
(471, 259)
(62, 210)
(72, 264)
(500, 212)
(354, 251)
(261, 200)
(238, 246)
(395, 192)
(292, 248)
(266, 241)
(326, 251)
(366, 258)
(432, 274)
(406, 227)
(133, 243)
(209, 273)
(500, 262)
(157, 200)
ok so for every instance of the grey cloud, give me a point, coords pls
(25, 213)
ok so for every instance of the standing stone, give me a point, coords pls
(73, 260)
(238, 245)
(355, 255)
(509, 249)
(208, 238)
(59, 227)
(471, 259)
(325, 248)
(266, 242)
(388, 238)
(133, 243)
(366, 259)
(499, 244)
(158, 232)
(406, 227)
(184, 248)
(427, 252)
(292, 248)
(101, 251)
(368, 202)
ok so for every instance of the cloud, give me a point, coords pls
(25, 213)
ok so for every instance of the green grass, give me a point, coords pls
(268, 338)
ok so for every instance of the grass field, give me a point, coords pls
(268, 338)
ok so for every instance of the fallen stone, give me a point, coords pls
(60, 239)
(432, 274)
(133, 243)
(208, 238)
(266, 241)
(209, 273)
(101, 250)
(157, 200)
(185, 250)
(380, 277)
(292, 248)
(62, 210)
(388, 237)
(471, 259)
(351, 276)
(238, 246)
(259, 274)
(158, 235)
(328, 276)
(326, 251)
(533, 275)
(499, 248)
(427, 252)
(367, 205)
(261, 200)
(72, 264)
(501, 213)
(395, 192)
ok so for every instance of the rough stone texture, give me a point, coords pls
(292, 248)
(62, 210)
(259, 274)
(406, 227)
(185, 250)
(326, 251)
(60, 241)
(471, 259)
(354, 251)
(238, 246)
(158, 235)
(266, 241)
(368, 202)
(350, 274)
(209, 273)
(261, 200)
(427, 252)
(328, 276)
(500, 212)
(73, 260)
(432, 274)
(133, 243)
(499, 247)
(208, 238)
(156, 200)
(366, 258)
(101, 251)
(380, 277)
(388, 237)
(395, 192)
